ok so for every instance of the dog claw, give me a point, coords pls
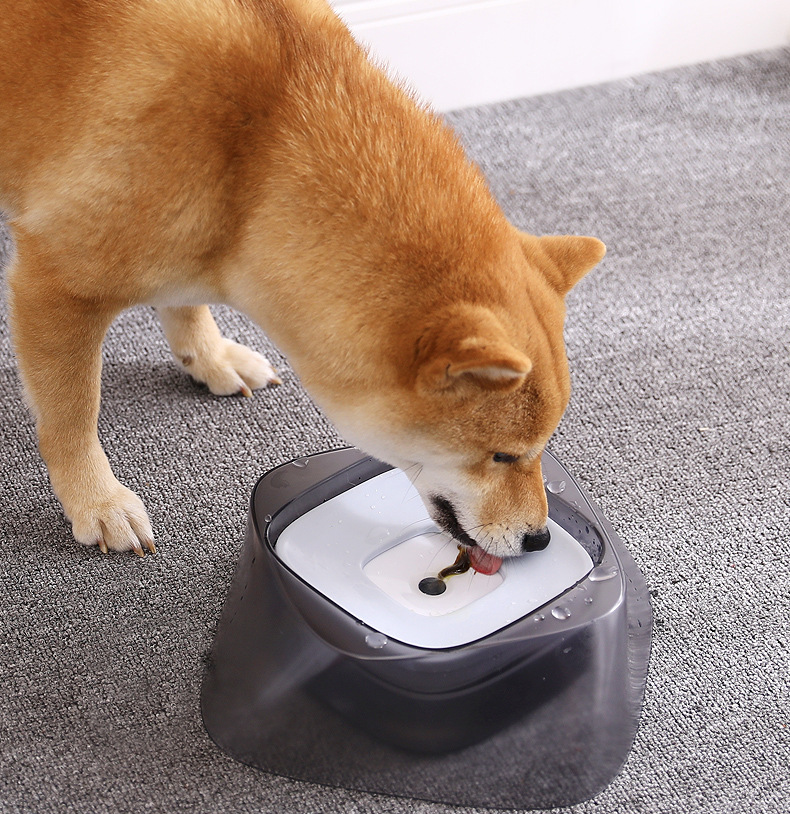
(245, 391)
(147, 544)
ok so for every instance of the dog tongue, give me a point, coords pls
(483, 562)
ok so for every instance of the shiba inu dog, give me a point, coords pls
(183, 152)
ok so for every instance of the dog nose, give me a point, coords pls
(535, 540)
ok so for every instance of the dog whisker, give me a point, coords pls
(419, 523)
(408, 472)
(438, 554)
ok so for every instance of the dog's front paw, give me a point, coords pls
(114, 520)
(232, 369)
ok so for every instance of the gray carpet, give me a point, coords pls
(678, 427)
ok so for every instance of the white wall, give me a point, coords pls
(458, 53)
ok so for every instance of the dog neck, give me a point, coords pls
(368, 207)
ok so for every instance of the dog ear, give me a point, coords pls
(463, 354)
(570, 258)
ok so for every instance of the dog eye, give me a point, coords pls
(504, 458)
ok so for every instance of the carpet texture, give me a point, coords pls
(678, 426)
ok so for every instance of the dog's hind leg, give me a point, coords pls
(58, 339)
(199, 348)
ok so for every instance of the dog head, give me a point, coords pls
(486, 387)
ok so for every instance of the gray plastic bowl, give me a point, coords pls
(539, 712)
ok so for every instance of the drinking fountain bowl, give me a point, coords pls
(332, 664)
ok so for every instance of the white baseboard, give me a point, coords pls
(458, 53)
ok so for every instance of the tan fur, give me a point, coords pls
(183, 152)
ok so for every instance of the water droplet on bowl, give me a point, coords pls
(267, 519)
(302, 463)
(559, 612)
(603, 572)
(376, 640)
(378, 534)
(556, 486)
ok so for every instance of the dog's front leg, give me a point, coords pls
(58, 339)
(223, 365)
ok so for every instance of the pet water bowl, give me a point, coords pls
(331, 664)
